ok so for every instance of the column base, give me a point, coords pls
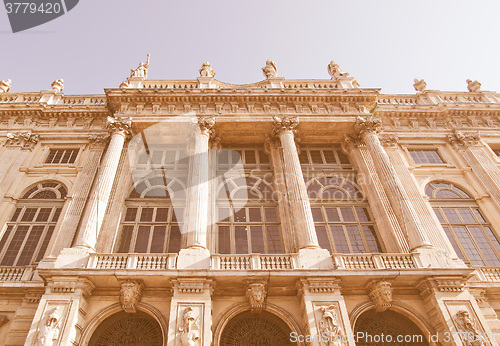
(72, 258)
(315, 258)
(194, 258)
(434, 258)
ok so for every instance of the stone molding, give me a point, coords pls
(69, 285)
(318, 286)
(25, 140)
(442, 285)
(131, 295)
(193, 285)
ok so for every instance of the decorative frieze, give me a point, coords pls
(380, 293)
(464, 138)
(130, 295)
(256, 296)
(25, 140)
(70, 285)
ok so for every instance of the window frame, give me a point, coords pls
(440, 151)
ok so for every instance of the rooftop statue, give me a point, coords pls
(206, 70)
(57, 85)
(419, 85)
(335, 71)
(270, 70)
(5, 86)
(141, 70)
(473, 86)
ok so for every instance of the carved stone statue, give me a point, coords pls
(5, 85)
(473, 86)
(189, 329)
(141, 70)
(381, 295)
(419, 85)
(256, 295)
(471, 336)
(335, 71)
(330, 326)
(130, 295)
(57, 85)
(270, 70)
(49, 331)
(206, 70)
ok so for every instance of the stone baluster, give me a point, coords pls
(303, 222)
(93, 217)
(367, 130)
(195, 254)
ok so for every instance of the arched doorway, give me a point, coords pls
(387, 328)
(248, 329)
(124, 329)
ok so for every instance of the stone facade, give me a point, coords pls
(350, 207)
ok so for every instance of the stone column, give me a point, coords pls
(398, 198)
(453, 312)
(469, 143)
(61, 312)
(323, 302)
(191, 312)
(66, 232)
(195, 254)
(306, 240)
(303, 222)
(96, 206)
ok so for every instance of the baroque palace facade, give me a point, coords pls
(283, 212)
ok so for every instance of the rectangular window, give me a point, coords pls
(427, 156)
(316, 157)
(62, 156)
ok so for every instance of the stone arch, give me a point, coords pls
(114, 309)
(238, 309)
(469, 188)
(59, 189)
(403, 312)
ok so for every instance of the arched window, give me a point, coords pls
(151, 223)
(341, 217)
(249, 217)
(466, 227)
(29, 230)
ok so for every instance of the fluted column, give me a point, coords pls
(303, 223)
(196, 221)
(98, 202)
(405, 212)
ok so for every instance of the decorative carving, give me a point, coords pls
(335, 71)
(190, 285)
(389, 140)
(141, 70)
(322, 286)
(206, 70)
(57, 85)
(460, 138)
(23, 139)
(465, 324)
(206, 125)
(130, 295)
(3, 320)
(381, 295)
(189, 329)
(256, 296)
(351, 142)
(124, 84)
(5, 86)
(473, 86)
(284, 124)
(270, 70)
(445, 285)
(49, 331)
(419, 84)
(330, 325)
(365, 125)
(98, 140)
(121, 124)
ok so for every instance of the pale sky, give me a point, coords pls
(383, 44)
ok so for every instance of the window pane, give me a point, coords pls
(332, 214)
(16, 214)
(5, 237)
(263, 157)
(254, 215)
(323, 240)
(30, 246)
(174, 243)
(141, 243)
(224, 240)
(451, 215)
(347, 214)
(45, 243)
(454, 243)
(158, 240)
(147, 214)
(125, 239)
(363, 214)
(371, 239)
(55, 217)
(468, 246)
(241, 239)
(329, 156)
(273, 239)
(271, 215)
(484, 246)
(240, 215)
(316, 213)
(43, 214)
(303, 157)
(250, 157)
(257, 239)
(316, 156)
(29, 214)
(355, 238)
(14, 246)
(339, 239)
(161, 215)
(130, 214)
(466, 215)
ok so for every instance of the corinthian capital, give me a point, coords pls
(462, 138)
(206, 125)
(365, 125)
(285, 124)
(119, 125)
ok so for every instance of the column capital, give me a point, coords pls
(98, 140)
(464, 138)
(120, 125)
(351, 142)
(367, 125)
(206, 125)
(285, 124)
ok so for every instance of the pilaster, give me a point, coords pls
(324, 312)
(191, 312)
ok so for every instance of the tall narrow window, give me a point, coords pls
(151, 223)
(469, 232)
(30, 228)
